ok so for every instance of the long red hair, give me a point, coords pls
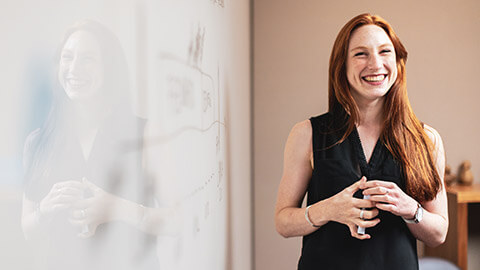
(403, 134)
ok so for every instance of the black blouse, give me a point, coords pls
(336, 167)
(114, 167)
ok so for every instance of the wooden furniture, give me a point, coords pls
(455, 247)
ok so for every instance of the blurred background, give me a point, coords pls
(243, 72)
(292, 46)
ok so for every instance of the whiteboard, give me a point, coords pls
(185, 136)
(178, 61)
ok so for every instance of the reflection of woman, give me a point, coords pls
(82, 202)
(369, 133)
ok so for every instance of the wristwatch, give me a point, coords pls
(418, 215)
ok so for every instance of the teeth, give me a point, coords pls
(77, 83)
(377, 78)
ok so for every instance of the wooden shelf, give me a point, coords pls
(465, 194)
(456, 245)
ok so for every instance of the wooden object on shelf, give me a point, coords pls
(450, 178)
(456, 245)
(465, 175)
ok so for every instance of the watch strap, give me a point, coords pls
(415, 219)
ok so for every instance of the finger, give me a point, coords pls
(375, 191)
(383, 199)
(367, 223)
(89, 184)
(387, 207)
(363, 203)
(64, 199)
(59, 207)
(369, 214)
(78, 222)
(356, 186)
(353, 233)
(84, 203)
(79, 214)
(70, 184)
(377, 183)
(80, 219)
(71, 191)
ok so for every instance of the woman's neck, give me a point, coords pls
(89, 118)
(371, 113)
(90, 115)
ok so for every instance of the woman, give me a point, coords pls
(373, 172)
(83, 205)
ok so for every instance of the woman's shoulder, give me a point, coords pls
(432, 134)
(302, 129)
(325, 123)
(322, 118)
(436, 140)
(299, 142)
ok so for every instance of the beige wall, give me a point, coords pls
(238, 85)
(292, 44)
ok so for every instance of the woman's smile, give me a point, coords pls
(371, 63)
(375, 80)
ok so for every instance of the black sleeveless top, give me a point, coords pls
(391, 246)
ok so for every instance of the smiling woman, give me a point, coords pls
(85, 205)
(371, 65)
(81, 66)
(369, 133)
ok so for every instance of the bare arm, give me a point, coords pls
(432, 230)
(30, 220)
(103, 207)
(434, 226)
(289, 217)
(155, 221)
(297, 170)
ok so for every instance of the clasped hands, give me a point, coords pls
(355, 212)
(85, 204)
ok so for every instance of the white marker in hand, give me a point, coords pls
(361, 230)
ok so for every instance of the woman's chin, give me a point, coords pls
(80, 94)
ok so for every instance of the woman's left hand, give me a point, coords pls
(389, 197)
(94, 210)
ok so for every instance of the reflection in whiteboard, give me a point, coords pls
(184, 146)
(173, 145)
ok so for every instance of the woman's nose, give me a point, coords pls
(75, 65)
(374, 61)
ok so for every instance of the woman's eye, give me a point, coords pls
(385, 51)
(360, 54)
(88, 59)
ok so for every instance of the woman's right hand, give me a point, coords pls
(61, 196)
(346, 209)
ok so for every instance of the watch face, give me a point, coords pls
(419, 214)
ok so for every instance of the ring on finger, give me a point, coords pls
(361, 214)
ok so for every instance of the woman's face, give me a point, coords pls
(371, 63)
(81, 66)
